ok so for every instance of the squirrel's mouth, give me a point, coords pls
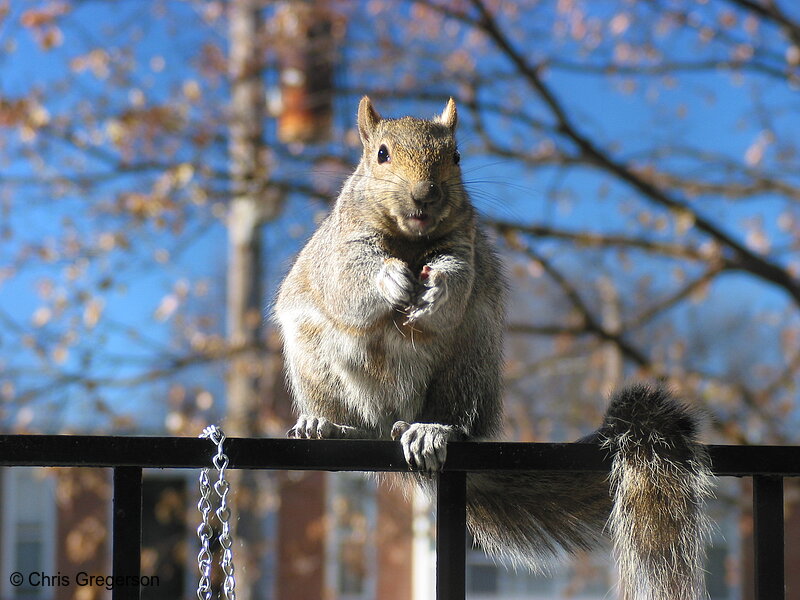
(419, 221)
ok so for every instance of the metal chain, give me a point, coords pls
(204, 532)
(223, 513)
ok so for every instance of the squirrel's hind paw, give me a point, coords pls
(424, 444)
(316, 428)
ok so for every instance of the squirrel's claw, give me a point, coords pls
(415, 313)
(424, 444)
(399, 428)
(316, 428)
(434, 295)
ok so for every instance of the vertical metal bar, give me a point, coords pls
(768, 533)
(451, 547)
(127, 532)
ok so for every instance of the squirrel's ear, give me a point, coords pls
(449, 116)
(368, 119)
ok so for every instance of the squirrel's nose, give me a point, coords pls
(426, 192)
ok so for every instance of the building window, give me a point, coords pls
(586, 577)
(351, 552)
(723, 554)
(28, 535)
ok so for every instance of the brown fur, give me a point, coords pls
(393, 319)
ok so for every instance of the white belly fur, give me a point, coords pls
(382, 376)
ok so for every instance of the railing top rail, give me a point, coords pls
(353, 455)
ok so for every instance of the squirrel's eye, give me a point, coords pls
(456, 157)
(383, 154)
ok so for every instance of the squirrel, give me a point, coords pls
(392, 318)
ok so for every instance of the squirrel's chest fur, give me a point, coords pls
(345, 362)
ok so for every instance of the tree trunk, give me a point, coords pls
(248, 173)
(245, 289)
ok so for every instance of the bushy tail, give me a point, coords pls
(527, 519)
(660, 479)
(651, 504)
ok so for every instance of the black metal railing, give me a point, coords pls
(767, 465)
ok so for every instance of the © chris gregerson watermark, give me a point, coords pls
(37, 579)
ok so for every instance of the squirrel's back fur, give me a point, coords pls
(393, 317)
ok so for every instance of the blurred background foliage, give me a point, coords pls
(161, 162)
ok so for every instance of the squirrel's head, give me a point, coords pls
(410, 168)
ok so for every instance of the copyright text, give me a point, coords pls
(37, 579)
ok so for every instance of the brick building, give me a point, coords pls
(328, 536)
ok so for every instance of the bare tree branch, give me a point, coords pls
(739, 254)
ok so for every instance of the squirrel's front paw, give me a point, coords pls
(316, 428)
(396, 283)
(424, 444)
(434, 294)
